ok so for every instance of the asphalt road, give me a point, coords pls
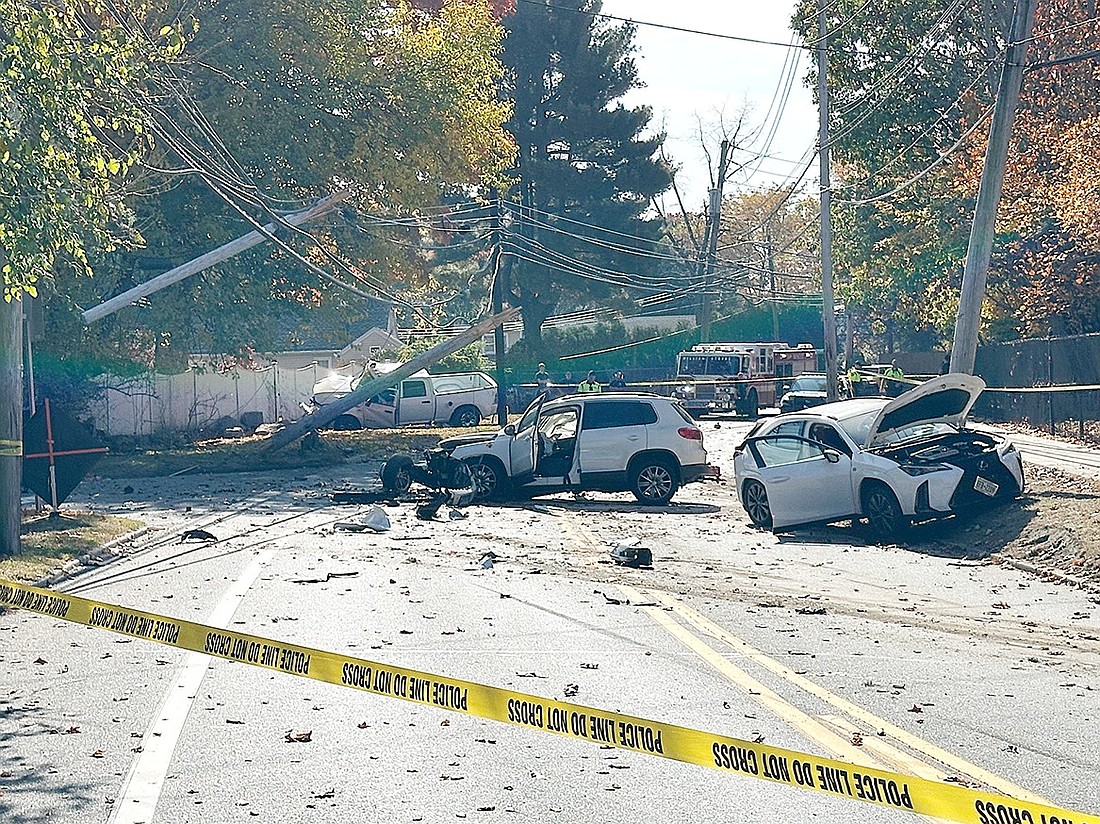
(945, 669)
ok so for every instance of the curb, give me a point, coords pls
(1044, 572)
(101, 553)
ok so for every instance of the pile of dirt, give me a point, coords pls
(1053, 527)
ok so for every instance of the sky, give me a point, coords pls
(691, 78)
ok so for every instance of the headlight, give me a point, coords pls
(922, 469)
(685, 391)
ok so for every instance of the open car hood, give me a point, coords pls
(944, 399)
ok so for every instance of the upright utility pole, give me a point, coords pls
(828, 319)
(965, 346)
(499, 341)
(11, 423)
(713, 226)
(771, 275)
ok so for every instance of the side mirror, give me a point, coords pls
(510, 429)
(831, 455)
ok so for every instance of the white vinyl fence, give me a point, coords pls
(190, 401)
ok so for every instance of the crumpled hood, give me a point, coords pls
(449, 444)
(943, 399)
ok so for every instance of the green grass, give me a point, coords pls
(251, 455)
(49, 542)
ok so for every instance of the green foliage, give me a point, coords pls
(910, 82)
(581, 155)
(649, 349)
(467, 359)
(281, 104)
(72, 126)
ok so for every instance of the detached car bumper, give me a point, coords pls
(699, 472)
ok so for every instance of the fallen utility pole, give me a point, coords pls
(964, 348)
(331, 411)
(211, 258)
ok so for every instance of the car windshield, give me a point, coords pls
(808, 383)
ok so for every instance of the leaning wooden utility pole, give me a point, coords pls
(331, 411)
(714, 226)
(224, 252)
(11, 423)
(828, 318)
(964, 349)
(500, 343)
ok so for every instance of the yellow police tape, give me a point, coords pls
(782, 766)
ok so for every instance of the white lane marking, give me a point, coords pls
(137, 801)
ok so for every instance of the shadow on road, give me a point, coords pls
(622, 506)
(22, 776)
(966, 536)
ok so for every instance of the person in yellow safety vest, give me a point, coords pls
(853, 381)
(889, 384)
(590, 384)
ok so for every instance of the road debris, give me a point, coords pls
(631, 555)
(196, 535)
(292, 737)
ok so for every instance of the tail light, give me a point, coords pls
(690, 433)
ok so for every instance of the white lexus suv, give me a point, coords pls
(614, 442)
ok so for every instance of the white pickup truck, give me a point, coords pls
(459, 399)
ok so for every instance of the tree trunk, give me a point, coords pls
(535, 312)
(11, 424)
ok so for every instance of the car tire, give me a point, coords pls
(395, 474)
(654, 480)
(488, 479)
(345, 423)
(882, 510)
(466, 416)
(754, 497)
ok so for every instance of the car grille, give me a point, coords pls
(987, 466)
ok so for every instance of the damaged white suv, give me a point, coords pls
(614, 442)
(891, 461)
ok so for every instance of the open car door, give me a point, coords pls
(806, 481)
(521, 451)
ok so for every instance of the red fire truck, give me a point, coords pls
(738, 377)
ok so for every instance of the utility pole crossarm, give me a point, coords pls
(211, 258)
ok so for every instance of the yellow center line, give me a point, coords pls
(873, 721)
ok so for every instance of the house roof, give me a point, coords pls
(333, 335)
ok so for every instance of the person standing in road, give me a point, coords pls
(590, 384)
(891, 382)
(854, 379)
(618, 382)
(542, 378)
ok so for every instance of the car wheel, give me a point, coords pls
(653, 481)
(487, 479)
(345, 423)
(882, 510)
(755, 499)
(466, 416)
(395, 474)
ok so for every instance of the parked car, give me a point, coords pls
(627, 441)
(890, 460)
(807, 390)
(457, 399)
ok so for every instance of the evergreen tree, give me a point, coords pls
(583, 156)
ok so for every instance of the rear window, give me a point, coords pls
(608, 414)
